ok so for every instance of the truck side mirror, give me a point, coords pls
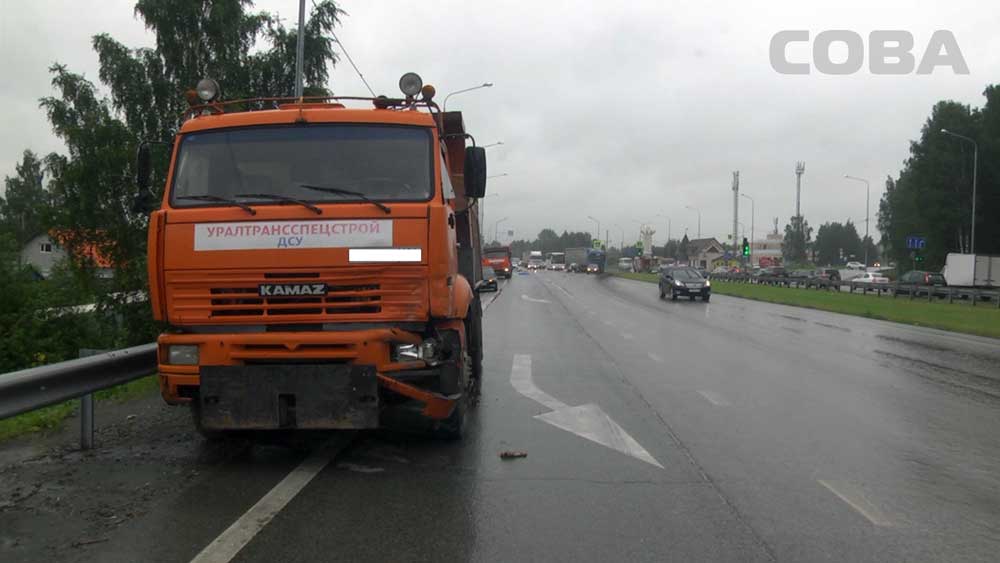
(475, 172)
(143, 169)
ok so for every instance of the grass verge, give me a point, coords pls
(981, 321)
(53, 416)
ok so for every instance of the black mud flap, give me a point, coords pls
(276, 397)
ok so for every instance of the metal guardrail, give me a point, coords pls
(895, 289)
(34, 388)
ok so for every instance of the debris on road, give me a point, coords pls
(81, 543)
(510, 454)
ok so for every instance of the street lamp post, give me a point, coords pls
(496, 228)
(482, 205)
(867, 217)
(444, 105)
(622, 229)
(598, 226)
(753, 214)
(695, 209)
(975, 170)
(498, 143)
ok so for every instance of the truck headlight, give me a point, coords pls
(426, 350)
(182, 354)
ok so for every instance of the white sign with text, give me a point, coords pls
(252, 235)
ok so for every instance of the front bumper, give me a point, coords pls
(257, 371)
(685, 291)
(288, 396)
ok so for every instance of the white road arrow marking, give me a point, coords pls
(587, 421)
(533, 300)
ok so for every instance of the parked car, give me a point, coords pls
(920, 278)
(489, 282)
(823, 277)
(870, 278)
(800, 275)
(684, 282)
(854, 266)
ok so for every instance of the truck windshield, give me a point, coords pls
(388, 163)
(497, 254)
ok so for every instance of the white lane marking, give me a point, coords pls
(590, 422)
(520, 378)
(533, 300)
(627, 336)
(587, 421)
(855, 498)
(563, 289)
(225, 547)
(715, 398)
(655, 358)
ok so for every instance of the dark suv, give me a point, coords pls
(920, 278)
(685, 282)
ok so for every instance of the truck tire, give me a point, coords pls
(474, 330)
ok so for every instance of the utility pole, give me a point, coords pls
(736, 207)
(800, 169)
(300, 49)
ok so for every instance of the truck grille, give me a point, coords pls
(345, 299)
(355, 295)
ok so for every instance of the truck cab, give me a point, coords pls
(316, 266)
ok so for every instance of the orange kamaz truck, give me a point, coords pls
(317, 264)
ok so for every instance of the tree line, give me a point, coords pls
(933, 195)
(88, 190)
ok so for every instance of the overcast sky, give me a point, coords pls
(619, 110)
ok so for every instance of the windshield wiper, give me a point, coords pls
(277, 197)
(342, 191)
(206, 197)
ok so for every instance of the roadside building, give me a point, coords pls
(768, 249)
(703, 251)
(43, 252)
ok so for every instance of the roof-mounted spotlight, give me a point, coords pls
(411, 83)
(207, 89)
(427, 92)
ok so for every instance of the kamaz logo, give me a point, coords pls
(290, 289)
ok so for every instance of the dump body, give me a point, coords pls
(295, 302)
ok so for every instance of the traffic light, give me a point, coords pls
(746, 247)
(918, 258)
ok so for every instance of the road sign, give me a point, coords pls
(638, 245)
(916, 243)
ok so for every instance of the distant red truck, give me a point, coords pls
(498, 258)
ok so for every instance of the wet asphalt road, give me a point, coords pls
(750, 432)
